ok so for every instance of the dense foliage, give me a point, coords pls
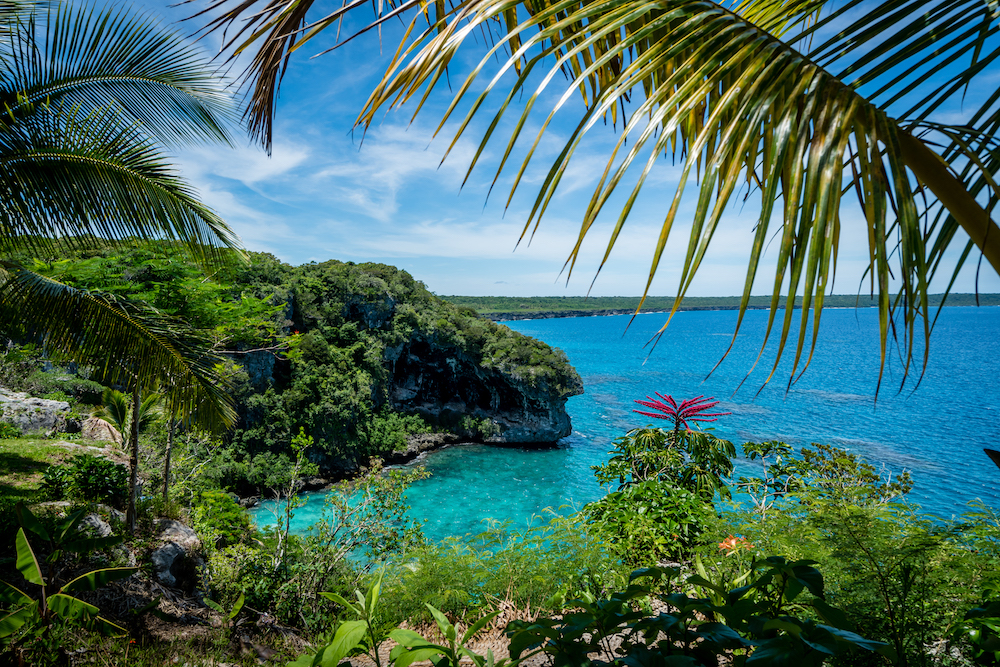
(310, 347)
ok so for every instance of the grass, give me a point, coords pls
(23, 461)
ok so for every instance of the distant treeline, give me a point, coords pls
(520, 306)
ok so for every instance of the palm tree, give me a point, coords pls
(91, 100)
(796, 101)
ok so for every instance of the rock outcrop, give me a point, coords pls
(445, 385)
(35, 415)
(99, 430)
(177, 561)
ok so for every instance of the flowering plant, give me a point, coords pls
(692, 410)
(733, 544)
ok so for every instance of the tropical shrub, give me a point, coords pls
(779, 619)
(88, 478)
(9, 431)
(220, 520)
(27, 623)
(649, 522)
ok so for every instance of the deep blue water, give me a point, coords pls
(936, 432)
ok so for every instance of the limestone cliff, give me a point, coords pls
(444, 384)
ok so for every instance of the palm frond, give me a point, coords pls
(123, 343)
(93, 58)
(739, 105)
(796, 104)
(67, 176)
(13, 12)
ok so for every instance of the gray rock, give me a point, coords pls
(169, 564)
(95, 525)
(176, 532)
(117, 515)
(32, 415)
(100, 430)
(177, 561)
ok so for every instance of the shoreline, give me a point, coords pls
(608, 312)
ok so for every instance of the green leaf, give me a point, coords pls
(89, 544)
(237, 607)
(856, 639)
(72, 609)
(213, 605)
(407, 638)
(12, 621)
(12, 595)
(333, 597)
(478, 625)
(69, 524)
(30, 521)
(447, 629)
(371, 597)
(406, 657)
(348, 637)
(27, 564)
(95, 579)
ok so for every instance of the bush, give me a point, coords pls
(88, 478)
(649, 522)
(220, 519)
(9, 431)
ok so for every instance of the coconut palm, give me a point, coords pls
(92, 99)
(796, 101)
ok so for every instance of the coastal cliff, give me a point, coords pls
(361, 358)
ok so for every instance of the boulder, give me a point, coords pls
(99, 430)
(32, 415)
(177, 561)
(169, 530)
(95, 525)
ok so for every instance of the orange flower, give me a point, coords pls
(732, 544)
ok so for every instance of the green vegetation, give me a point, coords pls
(308, 347)
(812, 561)
(514, 305)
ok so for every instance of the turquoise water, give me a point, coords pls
(937, 432)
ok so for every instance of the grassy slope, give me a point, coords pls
(555, 304)
(22, 463)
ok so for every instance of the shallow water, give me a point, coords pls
(937, 432)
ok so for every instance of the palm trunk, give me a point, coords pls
(133, 460)
(166, 464)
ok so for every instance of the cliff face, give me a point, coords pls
(445, 384)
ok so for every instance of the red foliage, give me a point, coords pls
(692, 410)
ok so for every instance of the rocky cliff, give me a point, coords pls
(446, 384)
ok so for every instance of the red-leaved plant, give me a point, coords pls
(692, 410)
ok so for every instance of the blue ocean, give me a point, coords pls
(936, 431)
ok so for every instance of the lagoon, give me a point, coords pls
(936, 431)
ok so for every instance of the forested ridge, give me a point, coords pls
(310, 347)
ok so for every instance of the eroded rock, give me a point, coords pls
(177, 561)
(33, 415)
(99, 430)
(446, 385)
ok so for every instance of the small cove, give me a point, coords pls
(936, 432)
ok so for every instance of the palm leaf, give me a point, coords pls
(123, 343)
(75, 178)
(776, 97)
(739, 104)
(95, 58)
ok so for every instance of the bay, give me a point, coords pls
(936, 431)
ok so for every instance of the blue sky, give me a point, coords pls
(323, 194)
